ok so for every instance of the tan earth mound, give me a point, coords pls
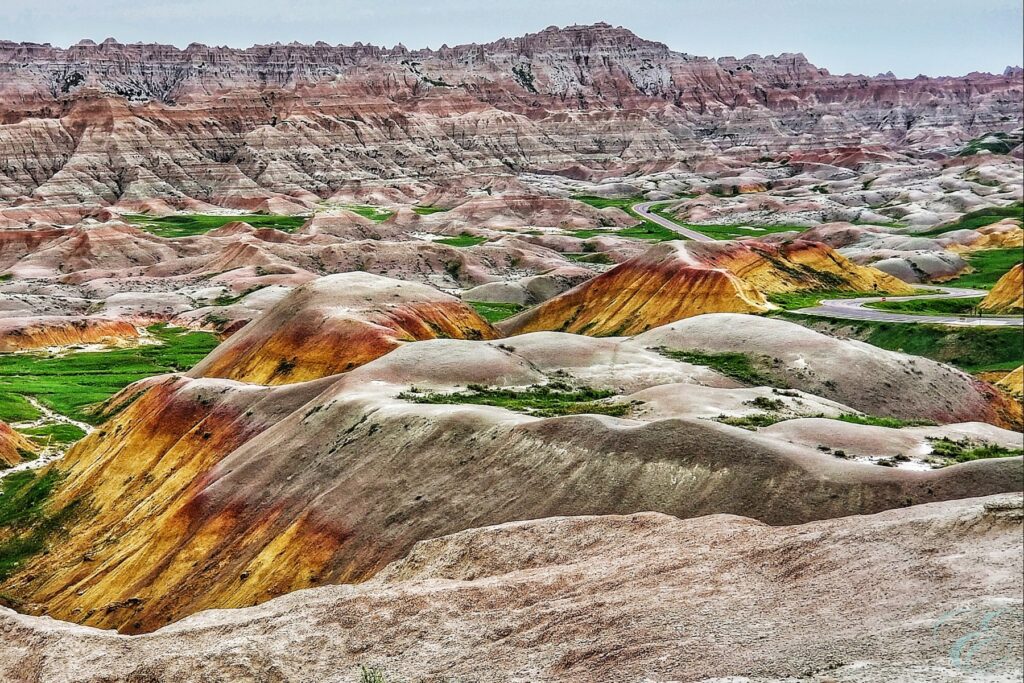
(336, 323)
(1008, 294)
(13, 446)
(24, 333)
(676, 280)
(865, 599)
(859, 375)
(212, 493)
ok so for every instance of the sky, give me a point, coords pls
(908, 37)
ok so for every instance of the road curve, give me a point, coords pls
(853, 309)
(644, 209)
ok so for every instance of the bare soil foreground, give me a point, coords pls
(896, 596)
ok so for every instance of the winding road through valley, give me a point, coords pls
(855, 309)
(643, 209)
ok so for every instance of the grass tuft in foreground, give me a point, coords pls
(965, 451)
(549, 400)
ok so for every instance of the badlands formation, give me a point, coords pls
(349, 363)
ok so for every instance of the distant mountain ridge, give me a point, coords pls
(98, 123)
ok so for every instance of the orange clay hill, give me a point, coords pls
(1008, 294)
(13, 447)
(337, 323)
(20, 334)
(676, 280)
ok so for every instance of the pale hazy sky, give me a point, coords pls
(934, 37)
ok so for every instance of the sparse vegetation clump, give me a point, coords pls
(876, 421)
(547, 400)
(739, 366)
(752, 421)
(949, 451)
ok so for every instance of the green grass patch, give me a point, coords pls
(186, 225)
(462, 240)
(978, 219)
(965, 451)
(965, 306)
(547, 400)
(494, 312)
(13, 407)
(374, 213)
(729, 232)
(973, 349)
(876, 421)
(740, 366)
(54, 433)
(69, 384)
(645, 230)
(989, 265)
(790, 301)
(427, 210)
(25, 524)
(997, 142)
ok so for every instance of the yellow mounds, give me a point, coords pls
(1008, 294)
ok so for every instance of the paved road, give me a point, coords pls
(644, 209)
(853, 309)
